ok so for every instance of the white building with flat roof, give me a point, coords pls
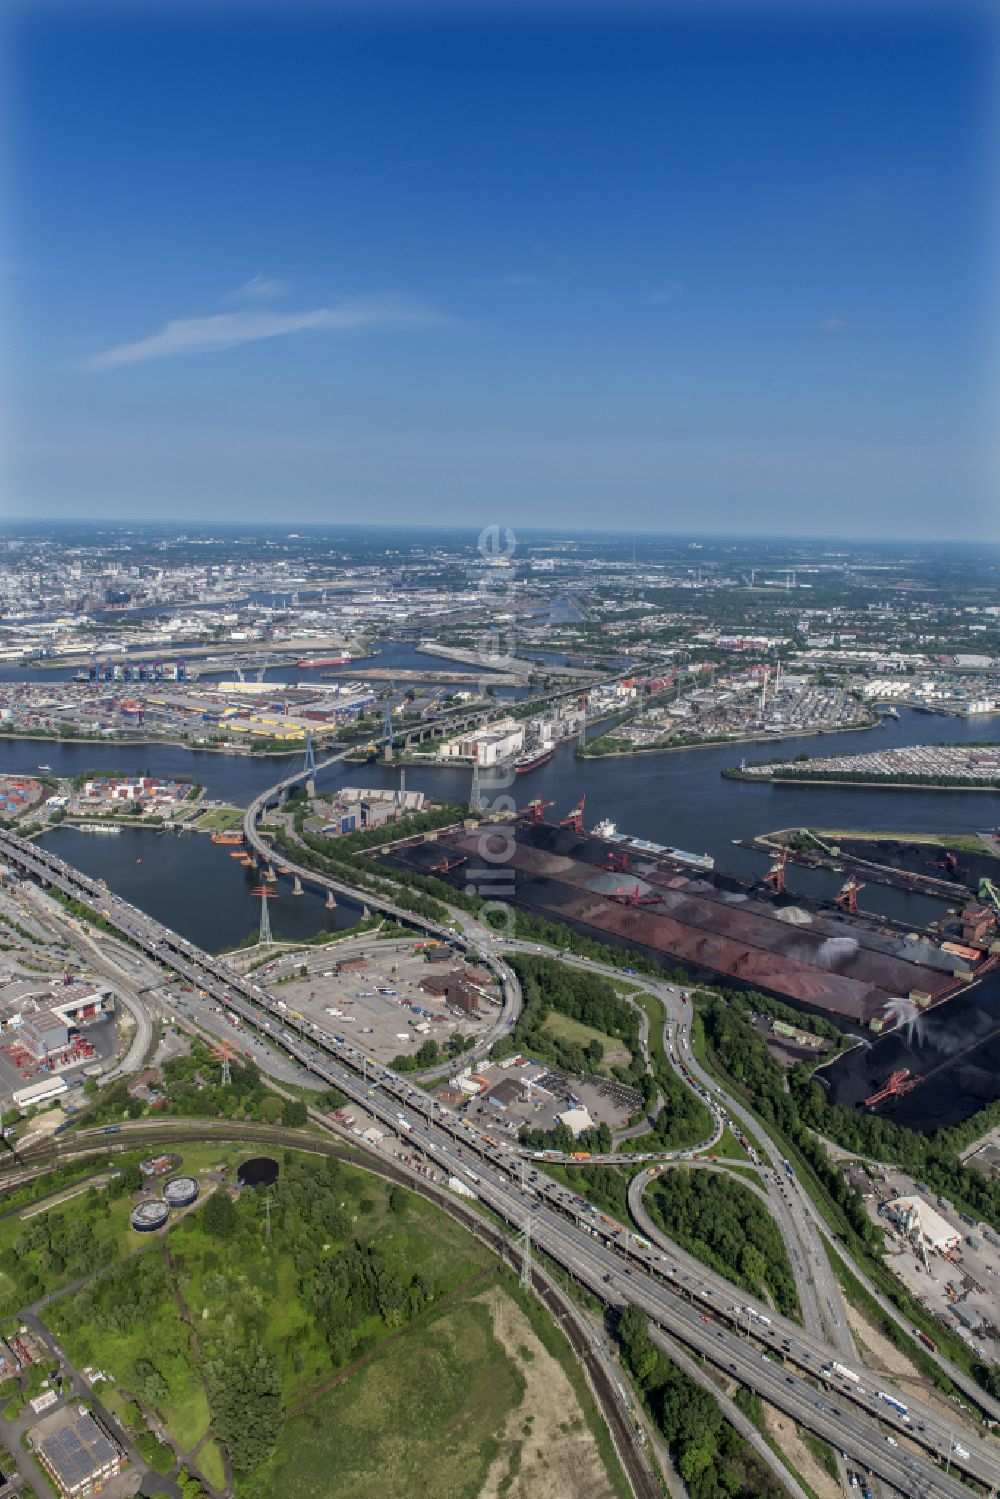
(922, 1225)
(576, 1121)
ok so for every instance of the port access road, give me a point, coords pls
(771, 1355)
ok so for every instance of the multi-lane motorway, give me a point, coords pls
(476, 937)
(744, 1338)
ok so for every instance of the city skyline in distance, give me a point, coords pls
(726, 278)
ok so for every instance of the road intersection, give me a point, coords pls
(781, 1361)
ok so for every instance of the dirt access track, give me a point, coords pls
(547, 1450)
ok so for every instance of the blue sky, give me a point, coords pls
(722, 268)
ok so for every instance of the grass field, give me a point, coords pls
(432, 1403)
(210, 1463)
(468, 1404)
(615, 1054)
(966, 843)
(426, 1400)
(728, 1147)
(456, 1400)
(218, 820)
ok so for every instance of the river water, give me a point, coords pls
(676, 798)
(392, 656)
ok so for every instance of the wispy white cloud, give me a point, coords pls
(831, 325)
(261, 289)
(226, 330)
(665, 294)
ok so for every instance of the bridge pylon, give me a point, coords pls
(310, 766)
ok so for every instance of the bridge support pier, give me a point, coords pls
(297, 886)
(330, 902)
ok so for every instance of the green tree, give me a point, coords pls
(244, 1384)
(218, 1216)
(131, 1178)
(753, 1265)
(149, 1384)
(294, 1114)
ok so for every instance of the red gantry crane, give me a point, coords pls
(635, 896)
(775, 877)
(533, 811)
(896, 1085)
(575, 819)
(846, 898)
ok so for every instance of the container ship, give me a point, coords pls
(309, 661)
(531, 760)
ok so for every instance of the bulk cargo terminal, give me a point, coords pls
(717, 926)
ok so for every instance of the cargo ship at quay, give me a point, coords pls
(676, 908)
(532, 760)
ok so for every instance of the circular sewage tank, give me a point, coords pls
(149, 1216)
(258, 1171)
(181, 1191)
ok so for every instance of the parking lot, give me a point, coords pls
(102, 1035)
(522, 1092)
(375, 1000)
(961, 1288)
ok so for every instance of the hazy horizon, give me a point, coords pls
(671, 269)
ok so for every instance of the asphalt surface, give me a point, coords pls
(770, 1355)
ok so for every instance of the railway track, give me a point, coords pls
(613, 1407)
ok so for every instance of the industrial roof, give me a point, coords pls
(78, 1450)
(935, 1230)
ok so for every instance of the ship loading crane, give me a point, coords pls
(447, 864)
(896, 1085)
(575, 819)
(775, 877)
(828, 848)
(989, 892)
(846, 899)
(635, 896)
(535, 809)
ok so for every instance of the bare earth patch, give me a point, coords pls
(881, 1354)
(547, 1450)
(783, 1430)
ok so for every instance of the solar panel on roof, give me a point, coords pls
(77, 1451)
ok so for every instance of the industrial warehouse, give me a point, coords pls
(49, 1030)
(77, 1451)
(749, 934)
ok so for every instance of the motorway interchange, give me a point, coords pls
(915, 1453)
